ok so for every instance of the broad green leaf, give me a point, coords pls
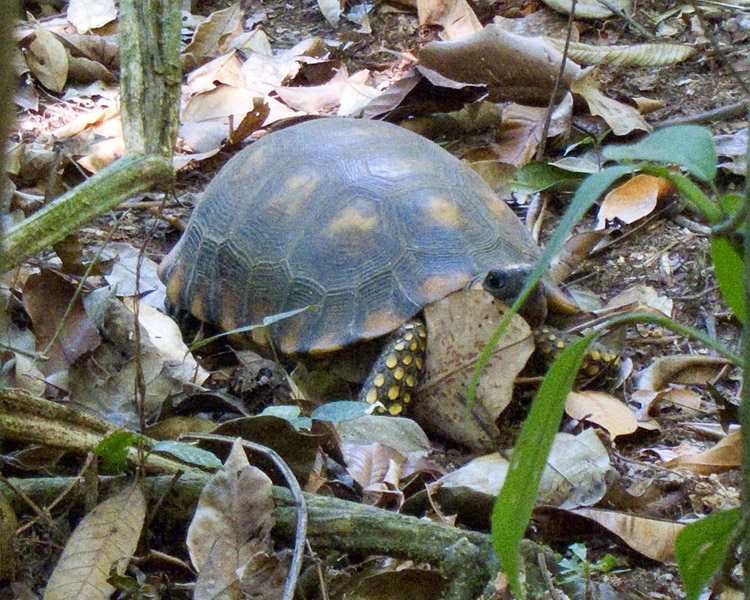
(343, 410)
(188, 454)
(700, 549)
(689, 146)
(114, 450)
(513, 507)
(588, 192)
(289, 413)
(537, 176)
(728, 264)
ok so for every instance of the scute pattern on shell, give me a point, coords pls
(365, 220)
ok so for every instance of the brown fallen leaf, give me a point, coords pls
(213, 36)
(513, 67)
(46, 297)
(459, 326)
(651, 537)
(104, 540)
(684, 369)
(48, 60)
(86, 15)
(621, 118)
(725, 455)
(522, 127)
(633, 200)
(456, 17)
(229, 538)
(603, 410)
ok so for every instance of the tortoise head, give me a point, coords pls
(505, 284)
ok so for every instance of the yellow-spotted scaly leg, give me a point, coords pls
(550, 342)
(398, 370)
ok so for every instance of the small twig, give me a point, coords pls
(299, 500)
(552, 100)
(632, 22)
(547, 576)
(717, 114)
(40, 513)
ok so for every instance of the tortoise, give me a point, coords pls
(365, 222)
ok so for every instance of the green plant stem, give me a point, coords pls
(119, 181)
(744, 411)
(685, 330)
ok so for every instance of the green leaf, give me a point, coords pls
(728, 264)
(289, 413)
(343, 410)
(689, 146)
(114, 450)
(188, 454)
(537, 176)
(512, 510)
(701, 547)
(588, 192)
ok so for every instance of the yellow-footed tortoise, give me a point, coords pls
(365, 222)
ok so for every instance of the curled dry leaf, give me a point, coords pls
(105, 538)
(621, 118)
(688, 370)
(513, 67)
(575, 250)
(590, 9)
(86, 15)
(603, 410)
(331, 10)
(459, 327)
(229, 537)
(633, 200)
(46, 297)
(651, 537)
(578, 469)
(725, 455)
(213, 36)
(456, 17)
(522, 127)
(639, 55)
(641, 298)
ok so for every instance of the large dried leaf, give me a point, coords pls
(513, 67)
(590, 9)
(652, 538)
(48, 60)
(213, 36)
(522, 127)
(331, 10)
(459, 327)
(725, 455)
(229, 537)
(639, 55)
(603, 410)
(577, 471)
(684, 369)
(633, 199)
(46, 298)
(105, 538)
(86, 15)
(316, 98)
(456, 17)
(621, 118)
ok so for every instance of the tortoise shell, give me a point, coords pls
(364, 221)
